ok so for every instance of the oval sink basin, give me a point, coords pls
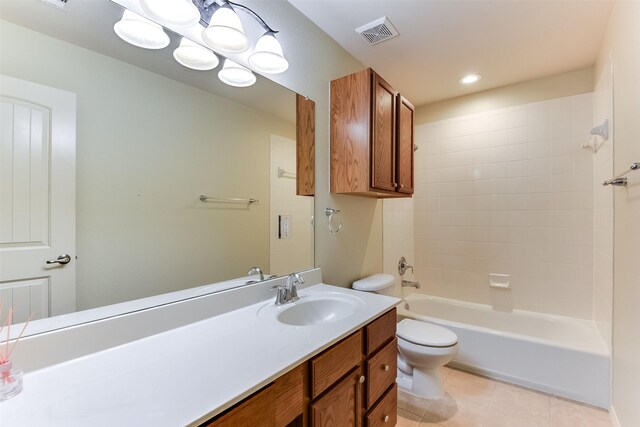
(320, 310)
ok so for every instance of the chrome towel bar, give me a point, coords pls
(622, 179)
(214, 199)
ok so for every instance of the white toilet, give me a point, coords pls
(423, 348)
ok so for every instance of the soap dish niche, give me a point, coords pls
(499, 281)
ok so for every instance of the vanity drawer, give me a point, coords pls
(331, 365)
(385, 412)
(381, 372)
(380, 331)
(258, 410)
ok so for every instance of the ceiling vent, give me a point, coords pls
(377, 31)
(60, 4)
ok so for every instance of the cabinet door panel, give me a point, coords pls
(383, 161)
(404, 161)
(340, 406)
(258, 410)
(305, 146)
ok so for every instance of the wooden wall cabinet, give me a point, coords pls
(372, 128)
(305, 146)
(351, 384)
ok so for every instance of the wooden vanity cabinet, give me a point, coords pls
(371, 137)
(350, 384)
(365, 393)
(258, 410)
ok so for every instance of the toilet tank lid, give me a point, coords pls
(374, 283)
(427, 334)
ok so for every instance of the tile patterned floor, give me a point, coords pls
(474, 401)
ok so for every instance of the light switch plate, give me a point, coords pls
(284, 226)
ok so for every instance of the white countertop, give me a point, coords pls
(182, 376)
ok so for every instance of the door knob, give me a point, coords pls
(62, 259)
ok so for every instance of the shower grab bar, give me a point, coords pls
(621, 179)
(214, 199)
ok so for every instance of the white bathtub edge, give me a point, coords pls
(533, 385)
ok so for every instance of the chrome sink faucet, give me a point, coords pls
(288, 293)
(252, 271)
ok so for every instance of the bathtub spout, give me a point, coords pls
(410, 284)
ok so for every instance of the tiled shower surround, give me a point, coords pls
(508, 191)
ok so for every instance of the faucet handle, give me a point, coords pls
(403, 266)
(281, 294)
(292, 291)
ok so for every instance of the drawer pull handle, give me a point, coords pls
(386, 368)
(386, 418)
(361, 379)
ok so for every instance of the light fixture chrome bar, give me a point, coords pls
(207, 7)
(622, 179)
(215, 199)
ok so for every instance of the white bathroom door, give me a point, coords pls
(37, 199)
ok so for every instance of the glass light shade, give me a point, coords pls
(180, 13)
(194, 56)
(141, 32)
(225, 32)
(236, 75)
(267, 57)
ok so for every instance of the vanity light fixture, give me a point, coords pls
(225, 32)
(267, 56)
(179, 13)
(141, 32)
(469, 79)
(236, 75)
(194, 56)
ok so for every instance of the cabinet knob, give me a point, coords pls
(401, 185)
(386, 418)
(395, 185)
(387, 367)
(361, 379)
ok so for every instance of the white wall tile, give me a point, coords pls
(514, 195)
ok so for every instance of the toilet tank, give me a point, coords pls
(378, 283)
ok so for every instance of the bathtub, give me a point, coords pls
(558, 355)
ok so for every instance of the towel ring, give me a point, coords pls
(331, 213)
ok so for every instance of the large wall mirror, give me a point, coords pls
(152, 137)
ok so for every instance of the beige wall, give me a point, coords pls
(623, 36)
(557, 86)
(147, 147)
(316, 60)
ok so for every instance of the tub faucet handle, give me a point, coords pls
(403, 266)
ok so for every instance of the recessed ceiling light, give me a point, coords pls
(469, 78)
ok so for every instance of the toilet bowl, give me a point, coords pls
(423, 348)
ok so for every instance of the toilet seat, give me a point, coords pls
(425, 334)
